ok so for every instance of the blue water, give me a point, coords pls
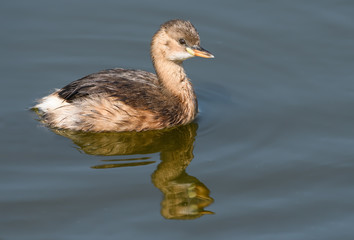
(271, 155)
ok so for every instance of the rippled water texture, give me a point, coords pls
(271, 155)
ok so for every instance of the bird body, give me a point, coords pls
(132, 100)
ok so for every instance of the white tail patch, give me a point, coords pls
(51, 102)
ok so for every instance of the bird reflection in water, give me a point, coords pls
(184, 196)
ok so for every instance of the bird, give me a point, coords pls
(126, 100)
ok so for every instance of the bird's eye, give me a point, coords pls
(182, 41)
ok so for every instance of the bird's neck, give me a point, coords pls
(172, 76)
(174, 81)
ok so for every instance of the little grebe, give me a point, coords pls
(132, 100)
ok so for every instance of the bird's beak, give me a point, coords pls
(199, 52)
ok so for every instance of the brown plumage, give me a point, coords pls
(132, 100)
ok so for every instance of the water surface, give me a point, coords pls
(269, 157)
